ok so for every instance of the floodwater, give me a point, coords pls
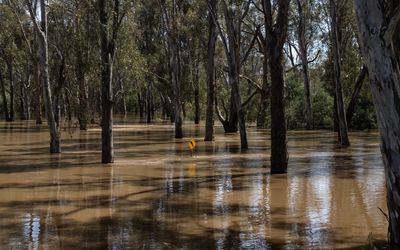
(156, 196)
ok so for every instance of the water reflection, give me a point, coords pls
(158, 197)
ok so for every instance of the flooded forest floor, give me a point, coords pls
(156, 196)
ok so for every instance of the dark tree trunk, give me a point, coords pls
(107, 54)
(278, 121)
(4, 97)
(356, 92)
(196, 102)
(10, 67)
(148, 102)
(344, 139)
(304, 62)
(276, 34)
(377, 28)
(141, 107)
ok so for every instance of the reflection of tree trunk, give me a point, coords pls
(344, 140)
(356, 93)
(212, 38)
(378, 27)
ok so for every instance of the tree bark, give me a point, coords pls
(377, 27)
(356, 92)
(344, 139)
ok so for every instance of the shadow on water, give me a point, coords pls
(158, 197)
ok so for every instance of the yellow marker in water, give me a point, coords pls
(192, 146)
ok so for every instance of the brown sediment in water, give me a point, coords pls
(156, 196)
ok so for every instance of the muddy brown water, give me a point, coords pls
(156, 196)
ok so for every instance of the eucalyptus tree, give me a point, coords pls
(42, 38)
(110, 17)
(276, 33)
(170, 15)
(379, 36)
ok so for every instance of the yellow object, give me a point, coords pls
(192, 145)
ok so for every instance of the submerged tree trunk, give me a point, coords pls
(344, 139)
(356, 92)
(276, 34)
(212, 38)
(233, 20)
(171, 26)
(107, 145)
(4, 97)
(41, 32)
(377, 27)
(304, 62)
(148, 102)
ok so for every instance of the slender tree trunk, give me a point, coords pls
(141, 108)
(122, 87)
(344, 139)
(212, 38)
(304, 62)
(41, 32)
(148, 102)
(4, 97)
(107, 145)
(356, 93)
(377, 27)
(196, 101)
(10, 66)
